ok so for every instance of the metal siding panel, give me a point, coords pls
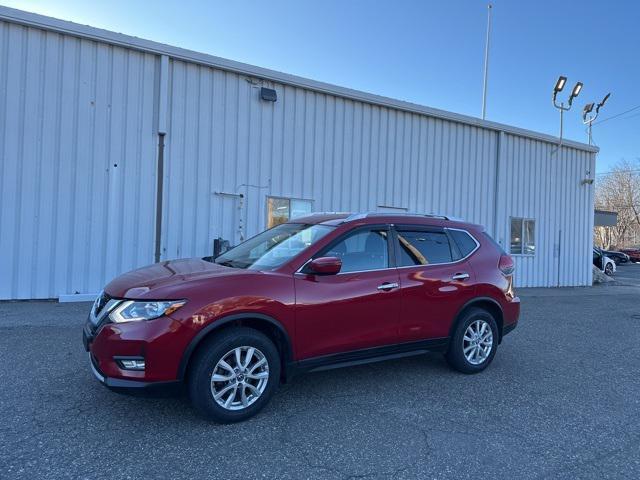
(546, 186)
(67, 207)
(59, 202)
(367, 156)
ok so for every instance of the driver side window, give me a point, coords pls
(366, 249)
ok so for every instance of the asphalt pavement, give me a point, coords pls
(561, 400)
(627, 274)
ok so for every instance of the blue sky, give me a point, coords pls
(427, 52)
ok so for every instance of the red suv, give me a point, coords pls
(318, 292)
(633, 253)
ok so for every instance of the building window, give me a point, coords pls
(281, 210)
(523, 236)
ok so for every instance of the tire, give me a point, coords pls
(455, 355)
(608, 270)
(265, 360)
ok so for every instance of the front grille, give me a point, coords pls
(101, 302)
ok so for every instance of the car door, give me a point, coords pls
(598, 259)
(356, 308)
(435, 281)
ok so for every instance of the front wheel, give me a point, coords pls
(474, 342)
(234, 375)
(608, 270)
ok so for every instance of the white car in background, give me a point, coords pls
(604, 263)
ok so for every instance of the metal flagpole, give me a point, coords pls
(486, 63)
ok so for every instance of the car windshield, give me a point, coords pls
(273, 247)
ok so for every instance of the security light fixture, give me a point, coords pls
(559, 86)
(587, 109)
(268, 94)
(575, 92)
(588, 118)
(604, 100)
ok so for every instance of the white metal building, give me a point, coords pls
(115, 150)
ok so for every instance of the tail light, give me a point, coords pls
(506, 265)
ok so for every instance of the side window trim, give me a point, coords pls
(456, 251)
(428, 228)
(391, 254)
(472, 238)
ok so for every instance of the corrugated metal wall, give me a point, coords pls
(78, 138)
(77, 170)
(538, 181)
(340, 153)
(347, 155)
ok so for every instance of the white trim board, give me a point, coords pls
(78, 297)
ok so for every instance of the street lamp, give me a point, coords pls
(575, 92)
(588, 119)
(587, 109)
(601, 104)
(560, 84)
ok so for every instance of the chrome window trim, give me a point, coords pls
(462, 259)
(299, 271)
(387, 226)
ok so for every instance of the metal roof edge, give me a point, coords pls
(66, 27)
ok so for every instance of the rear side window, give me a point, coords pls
(423, 248)
(464, 241)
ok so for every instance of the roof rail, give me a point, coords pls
(360, 216)
(327, 213)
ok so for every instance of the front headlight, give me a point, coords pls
(130, 311)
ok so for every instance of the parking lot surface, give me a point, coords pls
(561, 400)
(627, 274)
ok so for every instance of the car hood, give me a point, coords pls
(167, 279)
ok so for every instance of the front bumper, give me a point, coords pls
(160, 342)
(118, 383)
(509, 328)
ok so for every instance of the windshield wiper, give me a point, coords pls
(233, 264)
(227, 263)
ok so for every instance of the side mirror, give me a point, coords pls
(325, 265)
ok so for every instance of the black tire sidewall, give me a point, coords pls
(208, 355)
(455, 355)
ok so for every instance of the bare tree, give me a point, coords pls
(619, 191)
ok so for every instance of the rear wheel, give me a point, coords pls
(474, 342)
(234, 375)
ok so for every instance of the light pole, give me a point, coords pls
(588, 119)
(486, 63)
(562, 81)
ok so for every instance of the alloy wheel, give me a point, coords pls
(477, 342)
(239, 378)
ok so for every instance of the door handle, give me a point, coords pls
(460, 276)
(385, 287)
